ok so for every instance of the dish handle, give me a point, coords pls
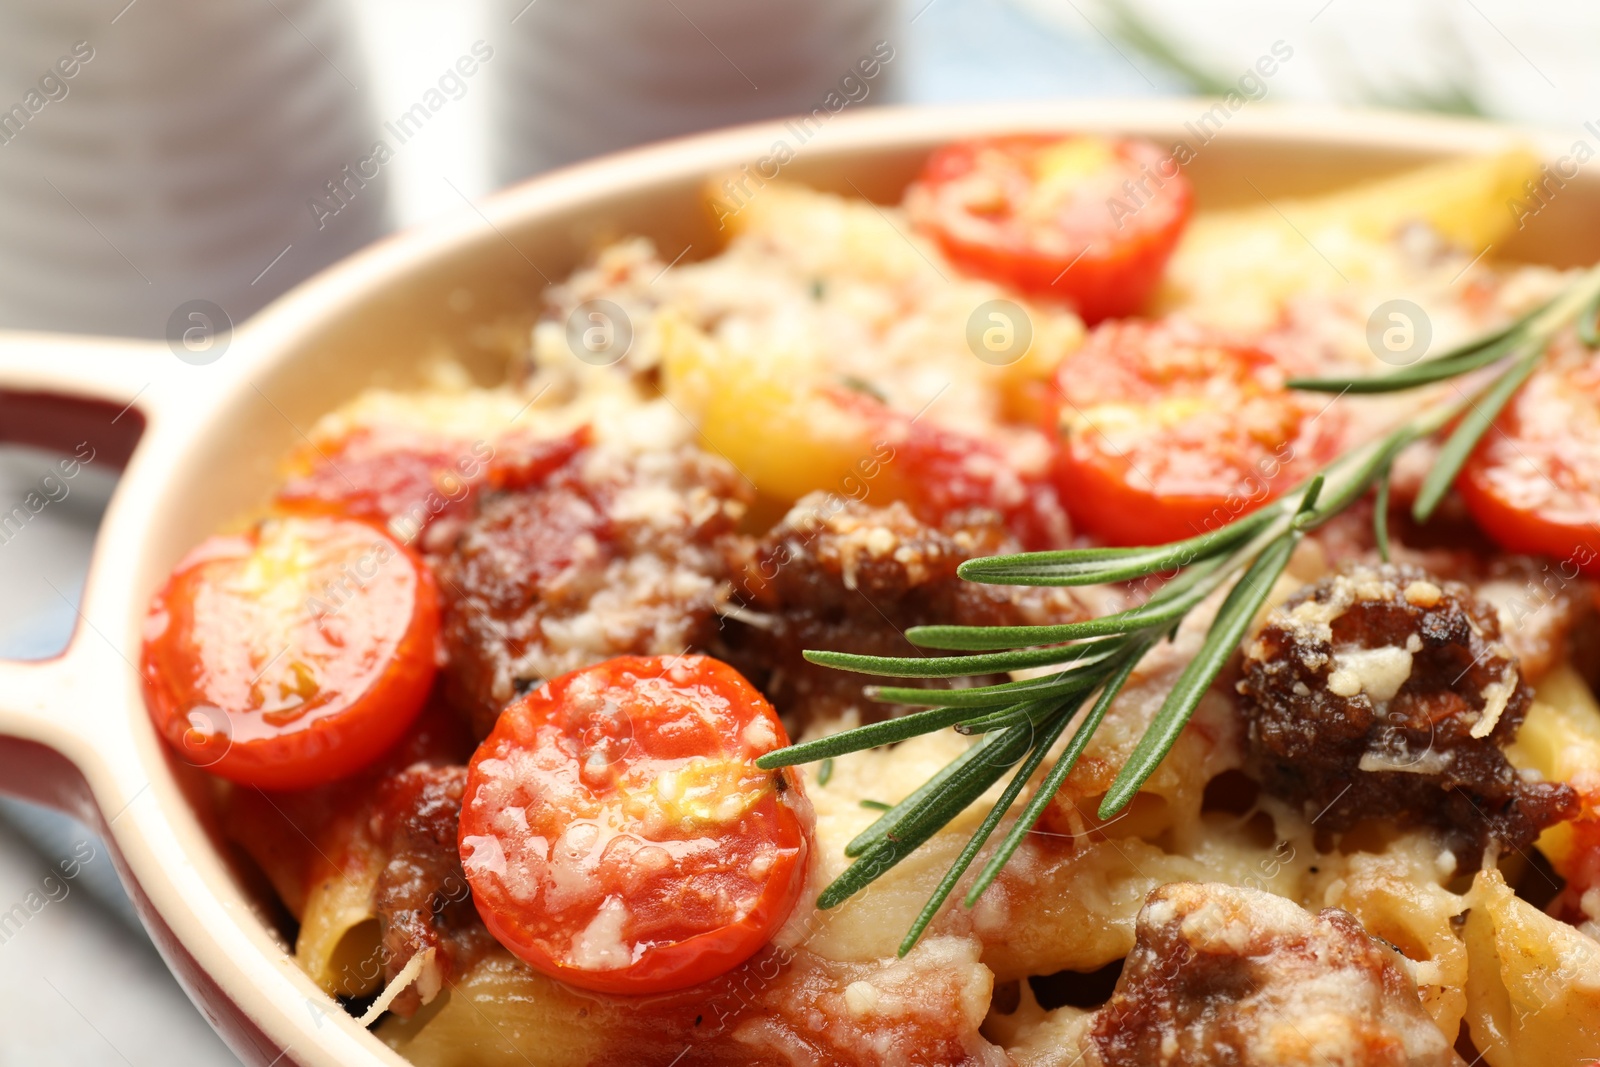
(61, 393)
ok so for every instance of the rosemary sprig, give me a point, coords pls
(1018, 723)
(1475, 354)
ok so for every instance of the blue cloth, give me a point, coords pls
(970, 51)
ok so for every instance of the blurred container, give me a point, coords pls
(176, 163)
(584, 77)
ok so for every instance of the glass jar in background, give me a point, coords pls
(169, 151)
(584, 77)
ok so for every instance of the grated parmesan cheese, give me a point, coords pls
(1496, 696)
(1423, 594)
(1430, 761)
(861, 998)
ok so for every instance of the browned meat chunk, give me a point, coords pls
(423, 900)
(1383, 692)
(1546, 608)
(842, 575)
(1238, 977)
(613, 554)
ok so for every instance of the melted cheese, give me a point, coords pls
(1377, 672)
(599, 946)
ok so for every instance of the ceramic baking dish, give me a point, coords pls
(198, 445)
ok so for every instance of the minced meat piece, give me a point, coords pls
(423, 900)
(1224, 975)
(840, 574)
(1383, 692)
(1547, 609)
(613, 554)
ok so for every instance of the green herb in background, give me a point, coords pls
(1455, 94)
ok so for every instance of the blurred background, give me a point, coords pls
(155, 154)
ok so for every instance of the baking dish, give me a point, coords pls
(199, 442)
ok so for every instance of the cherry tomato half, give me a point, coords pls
(1533, 484)
(292, 655)
(617, 833)
(1087, 219)
(1171, 431)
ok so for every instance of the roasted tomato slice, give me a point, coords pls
(292, 655)
(1171, 431)
(407, 479)
(1088, 219)
(1534, 482)
(942, 473)
(617, 832)
(1575, 853)
(387, 473)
